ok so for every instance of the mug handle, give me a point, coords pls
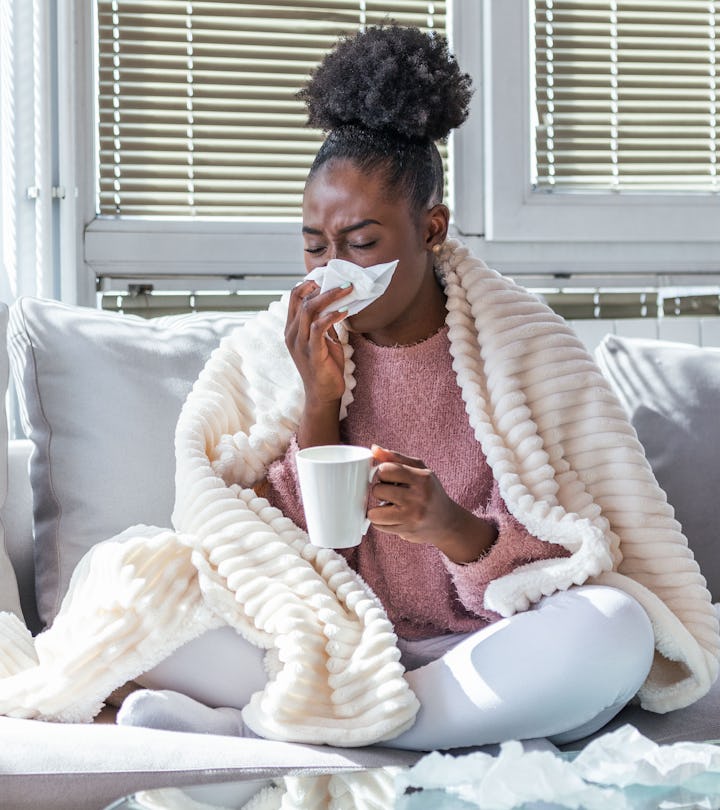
(371, 475)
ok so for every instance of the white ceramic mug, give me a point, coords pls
(334, 484)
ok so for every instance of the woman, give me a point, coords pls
(441, 530)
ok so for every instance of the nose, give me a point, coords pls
(336, 251)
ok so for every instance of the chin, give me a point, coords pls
(360, 325)
(355, 323)
(376, 317)
(366, 320)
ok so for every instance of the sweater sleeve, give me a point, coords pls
(282, 487)
(514, 546)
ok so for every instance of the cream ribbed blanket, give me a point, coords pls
(568, 465)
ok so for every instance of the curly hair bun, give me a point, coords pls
(392, 79)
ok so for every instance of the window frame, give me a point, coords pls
(578, 233)
(495, 211)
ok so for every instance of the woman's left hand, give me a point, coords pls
(415, 506)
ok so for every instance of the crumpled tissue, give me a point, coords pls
(622, 770)
(624, 757)
(508, 780)
(369, 283)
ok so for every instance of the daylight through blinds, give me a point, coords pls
(626, 95)
(197, 108)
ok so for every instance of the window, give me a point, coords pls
(574, 176)
(203, 148)
(626, 96)
(502, 202)
(197, 108)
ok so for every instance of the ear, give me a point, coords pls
(437, 220)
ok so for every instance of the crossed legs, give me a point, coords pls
(560, 670)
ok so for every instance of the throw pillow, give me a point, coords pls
(100, 395)
(9, 599)
(671, 392)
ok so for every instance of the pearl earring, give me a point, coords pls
(436, 249)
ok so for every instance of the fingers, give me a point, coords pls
(406, 488)
(304, 313)
(299, 292)
(381, 454)
(400, 480)
(391, 472)
(412, 501)
(322, 327)
(410, 497)
(308, 319)
(387, 516)
(390, 493)
(306, 298)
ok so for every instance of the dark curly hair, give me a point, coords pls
(385, 96)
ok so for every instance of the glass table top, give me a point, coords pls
(620, 770)
(386, 788)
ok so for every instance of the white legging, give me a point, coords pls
(560, 670)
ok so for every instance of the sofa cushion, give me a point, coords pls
(87, 766)
(8, 584)
(17, 517)
(671, 392)
(100, 394)
(695, 723)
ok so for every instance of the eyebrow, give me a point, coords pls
(354, 227)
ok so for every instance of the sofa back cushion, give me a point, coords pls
(100, 394)
(671, 392)
(8, 584)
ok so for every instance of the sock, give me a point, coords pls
(174, 711)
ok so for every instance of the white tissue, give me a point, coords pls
(506, 781)
(369, 283)
(621, 770)
(624, 757)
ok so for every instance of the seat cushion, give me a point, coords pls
(696, 723)
(87, 766)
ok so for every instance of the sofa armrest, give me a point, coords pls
(17, 519)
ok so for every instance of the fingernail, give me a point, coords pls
(345, 285)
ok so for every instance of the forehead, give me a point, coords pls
(340, 193)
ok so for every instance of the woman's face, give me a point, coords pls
(348, 215)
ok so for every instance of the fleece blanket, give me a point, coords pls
(568, 465)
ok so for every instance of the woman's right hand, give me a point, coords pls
(313, 343)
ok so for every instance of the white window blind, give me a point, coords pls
(627, 95)
(197, 108)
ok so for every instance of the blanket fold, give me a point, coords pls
(568, 465)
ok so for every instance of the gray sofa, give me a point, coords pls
(94, 386)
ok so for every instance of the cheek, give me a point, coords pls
(312, 262)
(406, 281)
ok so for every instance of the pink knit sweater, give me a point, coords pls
(407, 399)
